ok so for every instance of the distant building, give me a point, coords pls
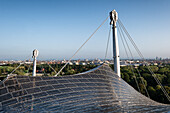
(157, 58)
(70, 63)
(27, 62)
(123, 63)
(136, 65)
(63, 61)
(155, 64)
(76, 63)
(107, 62)
(2, 64)
(86, 60)
(83, 63)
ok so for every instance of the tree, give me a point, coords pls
(0, 72)
(126, 77)
(161, 77)
(3, 70)
(168, 79)
(158, 87)
(142, 84)
(152, 92)
(163, 70)
(154, 68)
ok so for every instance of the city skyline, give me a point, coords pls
(58, 28)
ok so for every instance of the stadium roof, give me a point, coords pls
(98, 90)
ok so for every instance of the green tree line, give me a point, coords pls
(154, 90)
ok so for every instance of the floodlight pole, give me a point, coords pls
(35, 54)
(113, 20)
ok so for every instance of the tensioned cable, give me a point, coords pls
(81, 46)
(140, 54)
(107, 43)
(143, 82)
(17, 67)
(128, 57)
(121, 32)
(128, 35)
(28, 68)
(158, 82)
(123, 41)
(51, 67)
(9, 75)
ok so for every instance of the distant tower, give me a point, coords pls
(34, 56)
(156, 58)
(113, 20)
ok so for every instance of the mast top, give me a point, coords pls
(35, 53)
(113, 16)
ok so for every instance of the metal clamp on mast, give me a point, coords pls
(113, 20)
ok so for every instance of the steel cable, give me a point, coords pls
(120, 33)
(132, 57)
(81, 46)
(107, 43)
(140, 54)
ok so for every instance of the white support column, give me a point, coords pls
(35, 54)
(114, 18)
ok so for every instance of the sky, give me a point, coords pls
(57, 28)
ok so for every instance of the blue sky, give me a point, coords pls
(57, 28)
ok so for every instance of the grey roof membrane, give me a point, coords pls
(98, 90)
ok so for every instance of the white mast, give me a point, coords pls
(114, 18)
(35, 54)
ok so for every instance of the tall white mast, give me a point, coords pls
(35, 54)
(113, 20)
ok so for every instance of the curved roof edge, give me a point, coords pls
(1, 82)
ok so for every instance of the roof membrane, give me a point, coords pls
(98, 90)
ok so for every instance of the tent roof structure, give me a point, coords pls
(98, 90)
